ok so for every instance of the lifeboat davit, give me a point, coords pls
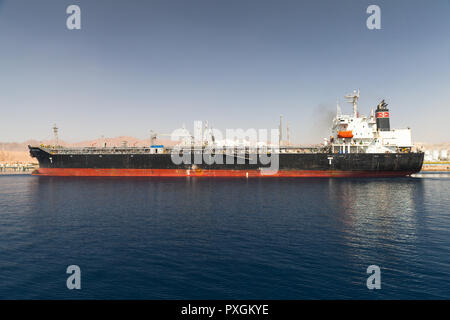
(345, 134)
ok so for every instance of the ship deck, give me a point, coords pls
(150, 150)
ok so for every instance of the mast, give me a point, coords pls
(153, 136)
(353, 99)
(280, 138)
(205, 134)
(287, 134)
(55, 134)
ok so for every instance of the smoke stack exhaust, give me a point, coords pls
(382, 115)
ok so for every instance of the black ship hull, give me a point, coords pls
(247, 165)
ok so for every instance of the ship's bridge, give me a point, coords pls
(346, 126)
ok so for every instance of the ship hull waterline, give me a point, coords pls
(83, 172)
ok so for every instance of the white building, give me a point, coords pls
(435, 155)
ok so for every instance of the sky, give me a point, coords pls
(136, 66)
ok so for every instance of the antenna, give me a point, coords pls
(287, 134)
(281, 130)
(338, 109)
(353, 99)
(55, 133)
(205, 133)
(213, 139)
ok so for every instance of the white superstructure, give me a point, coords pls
(367, 134)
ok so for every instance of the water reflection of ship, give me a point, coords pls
(375, 213)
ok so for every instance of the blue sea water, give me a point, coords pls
(194, 238)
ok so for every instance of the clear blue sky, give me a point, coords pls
(141, 65)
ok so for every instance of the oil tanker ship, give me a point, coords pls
(359, 146)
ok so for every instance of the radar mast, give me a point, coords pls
(353, 99)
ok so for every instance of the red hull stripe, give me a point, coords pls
(210, 173)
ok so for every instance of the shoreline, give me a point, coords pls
(430, 167)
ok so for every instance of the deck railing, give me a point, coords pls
(148, 150)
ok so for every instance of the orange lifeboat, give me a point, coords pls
(345, 134)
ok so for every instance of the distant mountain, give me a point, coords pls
(433, 146)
